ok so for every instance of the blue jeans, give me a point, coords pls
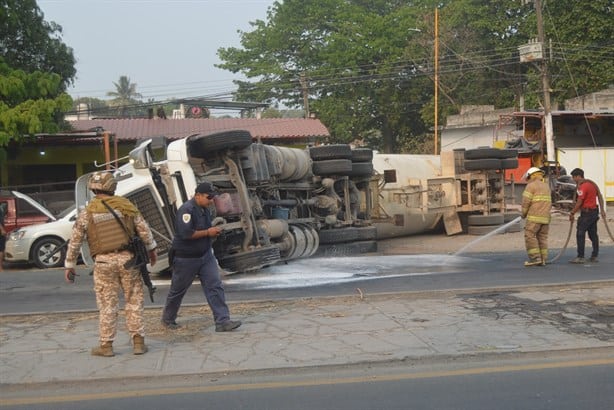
(587, 222)
(184, 272)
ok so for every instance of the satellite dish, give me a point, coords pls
(196, 111)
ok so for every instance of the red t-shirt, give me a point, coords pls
(587, 192)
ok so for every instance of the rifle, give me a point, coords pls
(140, 261)
(46, 258)
(141, 256)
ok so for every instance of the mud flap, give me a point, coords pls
(452, 222)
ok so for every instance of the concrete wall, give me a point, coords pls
(597, 163)
(474, 127)
(599, 101)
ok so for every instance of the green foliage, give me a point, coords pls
(29, 43)
(29, 103)
(125, 96)
(368, 66)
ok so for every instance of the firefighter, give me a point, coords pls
(536, 204)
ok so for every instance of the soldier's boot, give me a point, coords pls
(138, 345)
(105, 349)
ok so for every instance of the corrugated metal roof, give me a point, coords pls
(270, 128)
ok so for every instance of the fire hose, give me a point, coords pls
(607, 228)
(564, 246)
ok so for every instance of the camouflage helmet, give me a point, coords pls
(102, 181)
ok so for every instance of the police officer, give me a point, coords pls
(536, 204)
(192, 255)
(108, 243)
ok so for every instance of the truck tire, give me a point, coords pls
(510, 216)
(201, 146)
(349, 234)
(43, 247)
(332, 167)
(335, 151)
(516, 227)
(362, 155)
(483, 229)
(482, 164)
(345, 249)
(251, 260)
(509, 163)
(482, 220)
(485, 153)
(361, 169)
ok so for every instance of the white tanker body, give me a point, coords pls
(401, 207)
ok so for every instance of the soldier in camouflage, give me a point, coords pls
(108, 242)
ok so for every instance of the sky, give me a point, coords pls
(167, 47)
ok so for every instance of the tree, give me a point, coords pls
(582, 59)
(349, 54)
(29, 43)
(367, 65)
(30, 103)
(35, 69)
(125, 95)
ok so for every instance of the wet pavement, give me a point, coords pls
(321, 331)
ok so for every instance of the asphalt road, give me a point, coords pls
(528, 382)
(30, 290)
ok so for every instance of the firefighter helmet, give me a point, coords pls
(103, 181)
(532, 171)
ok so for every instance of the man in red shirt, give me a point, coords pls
(586, 203)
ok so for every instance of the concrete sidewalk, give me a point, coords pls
(313, 332)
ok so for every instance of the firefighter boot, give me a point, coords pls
(105, 349)
(138, 344)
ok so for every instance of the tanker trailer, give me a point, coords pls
(275, 203)
(411, 194)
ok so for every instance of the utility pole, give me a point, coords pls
(305, 89)
(436, 113)
(541, 38)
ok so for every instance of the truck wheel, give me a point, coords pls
(332, 167)
(482, 164)
(250, 260)
(481, 220)
(361, 169)
(201, 146)
(344, 249)
(510, 216)
(44, 247)
(484, 153)
(349, 234)
(335, 151)
(509, 163)
(483, 229)
(362, 155)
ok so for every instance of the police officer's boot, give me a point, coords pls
(105, 349)
(138, 344)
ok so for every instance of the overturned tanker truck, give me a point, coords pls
(279, 204)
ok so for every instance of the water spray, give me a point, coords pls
(488, 235)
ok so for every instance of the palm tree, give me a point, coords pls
(125, 94)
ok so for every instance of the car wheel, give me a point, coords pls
(41, 250)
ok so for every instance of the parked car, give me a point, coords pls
(35, 243)
(21, 210)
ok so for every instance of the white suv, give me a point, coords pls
(34, 243)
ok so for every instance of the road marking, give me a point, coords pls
(303, 383)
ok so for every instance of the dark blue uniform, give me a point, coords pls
(194, 257)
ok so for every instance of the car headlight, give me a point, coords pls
(16, 235)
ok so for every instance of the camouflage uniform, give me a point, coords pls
(536, 204)
(109, 273)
